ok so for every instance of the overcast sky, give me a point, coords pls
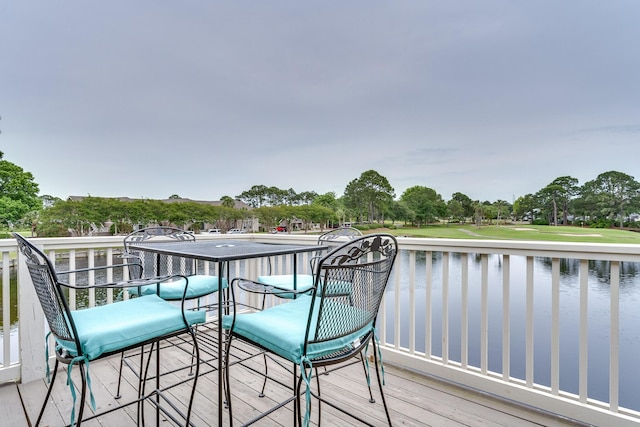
(494, 99)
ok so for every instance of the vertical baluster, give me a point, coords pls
(428, 321)
(72, 279)
(614, 336)
(110, 278)
(584, 330)
(6, 311)
(397, 309)
(555, 326)
(445, 307)
(91, 277)
(506, 323)
(529, 325)
(464, 311)
(484, 312)
(382, 313)
(412, 302)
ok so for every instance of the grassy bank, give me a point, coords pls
(520, 232)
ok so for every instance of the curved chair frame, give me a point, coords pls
(333, 237)
(147, 319)
(340, 314)
(200, 285)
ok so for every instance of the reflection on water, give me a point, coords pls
(598, 315)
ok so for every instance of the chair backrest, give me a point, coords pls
(350, 283)
(49, 291)
(339, 233)
(156, 264)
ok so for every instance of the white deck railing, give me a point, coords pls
(439, 318)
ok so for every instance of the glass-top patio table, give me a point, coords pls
(221, 252)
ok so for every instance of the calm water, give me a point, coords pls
(599, 319)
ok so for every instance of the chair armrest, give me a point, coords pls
(261, 288)
(313, 261)
(124, 283)
(130, 256)
(87, 269)
(136, 266)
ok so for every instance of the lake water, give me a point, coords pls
(599, 319)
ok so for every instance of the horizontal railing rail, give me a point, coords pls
(540, 323)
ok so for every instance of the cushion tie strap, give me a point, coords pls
(366, 360)
(85, 360)
(46, 355)
(307, 394)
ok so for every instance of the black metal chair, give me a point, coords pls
(200, 285)
(304, 282)
(329, 326)
(82, 336)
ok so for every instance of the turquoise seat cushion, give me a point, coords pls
(336, 287)
(282, 329)
(113, 327)
(304, 283)
(199, 285)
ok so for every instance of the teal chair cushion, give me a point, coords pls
(199, 285)
(282, 329)
(304, 283)
(113, 327)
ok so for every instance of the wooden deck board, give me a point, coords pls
(413, 400)
(11, 412)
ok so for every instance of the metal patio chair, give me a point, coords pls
(329, 326)
(304, 282)
(85, 335)
(200, 285)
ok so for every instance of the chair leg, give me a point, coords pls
(193, 353)
(83, 394)
(264, 356)
(196, 352)
(319, 399)
(364, 367)
(195, 330)
(142, 383)
(118, 396)
(375, 359)
(227, 379)
(46, 398)
(297, 385)
(266, 375)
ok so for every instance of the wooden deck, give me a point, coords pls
(414, 400)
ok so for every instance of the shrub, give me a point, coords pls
(601, 223)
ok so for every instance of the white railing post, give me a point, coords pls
(32, 329)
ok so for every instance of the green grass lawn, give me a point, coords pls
(520, 232)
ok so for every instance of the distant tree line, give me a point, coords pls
(612, 199)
